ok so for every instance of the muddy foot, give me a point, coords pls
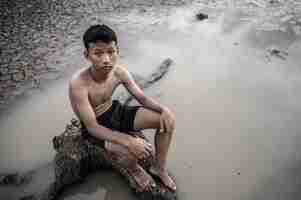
(164, 177)
(143, 180)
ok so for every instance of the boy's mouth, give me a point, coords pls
(108, 67)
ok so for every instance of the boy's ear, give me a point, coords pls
(86, 53)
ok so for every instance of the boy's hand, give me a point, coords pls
(140, 148)
(167, 121)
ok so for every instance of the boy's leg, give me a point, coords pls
(147, 119)
(124, 158)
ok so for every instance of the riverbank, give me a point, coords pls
(235, 98)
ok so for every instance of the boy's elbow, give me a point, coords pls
(91, 128)
(142, 99)
(97, 131)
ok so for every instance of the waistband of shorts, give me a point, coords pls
(105, 113)
(102, 108)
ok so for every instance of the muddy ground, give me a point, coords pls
(239, 86)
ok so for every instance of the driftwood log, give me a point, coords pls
(15, 179)
(76, 157)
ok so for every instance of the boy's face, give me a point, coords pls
(103, 56)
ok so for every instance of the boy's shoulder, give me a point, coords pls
(79, 78)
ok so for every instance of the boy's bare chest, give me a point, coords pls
(100, 93)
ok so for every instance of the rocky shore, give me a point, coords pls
(34, 36)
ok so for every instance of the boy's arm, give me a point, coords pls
(132, 87)
(167, 116)
(81, 106)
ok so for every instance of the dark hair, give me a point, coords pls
(99, 33)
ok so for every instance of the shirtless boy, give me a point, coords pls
(109, 122)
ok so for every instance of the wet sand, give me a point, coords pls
(237, 111)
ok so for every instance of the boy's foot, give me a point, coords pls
(143, 180)
(165, 178)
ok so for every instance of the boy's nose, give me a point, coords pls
(106, 59)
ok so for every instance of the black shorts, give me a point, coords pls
(118, 117)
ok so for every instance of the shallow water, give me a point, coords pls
(237, 114)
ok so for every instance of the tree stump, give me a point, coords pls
(77, 157)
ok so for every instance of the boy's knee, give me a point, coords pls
(172, 127)
(122, 155)
(127, 159)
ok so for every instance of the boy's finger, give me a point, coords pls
(149, 149)
(146, 152)
(161, 125)
(169, 126)
(166, 126)
(143, 155)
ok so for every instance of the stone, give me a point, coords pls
(293, 22)
(201, 16)
(13, 70)
(5, 77)
(297, 30)
(28, 73)
(277, 52)
(3, 70)
(286, 18)
(283, 29)
(8, 84)
(274, 1)
(18, 76)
